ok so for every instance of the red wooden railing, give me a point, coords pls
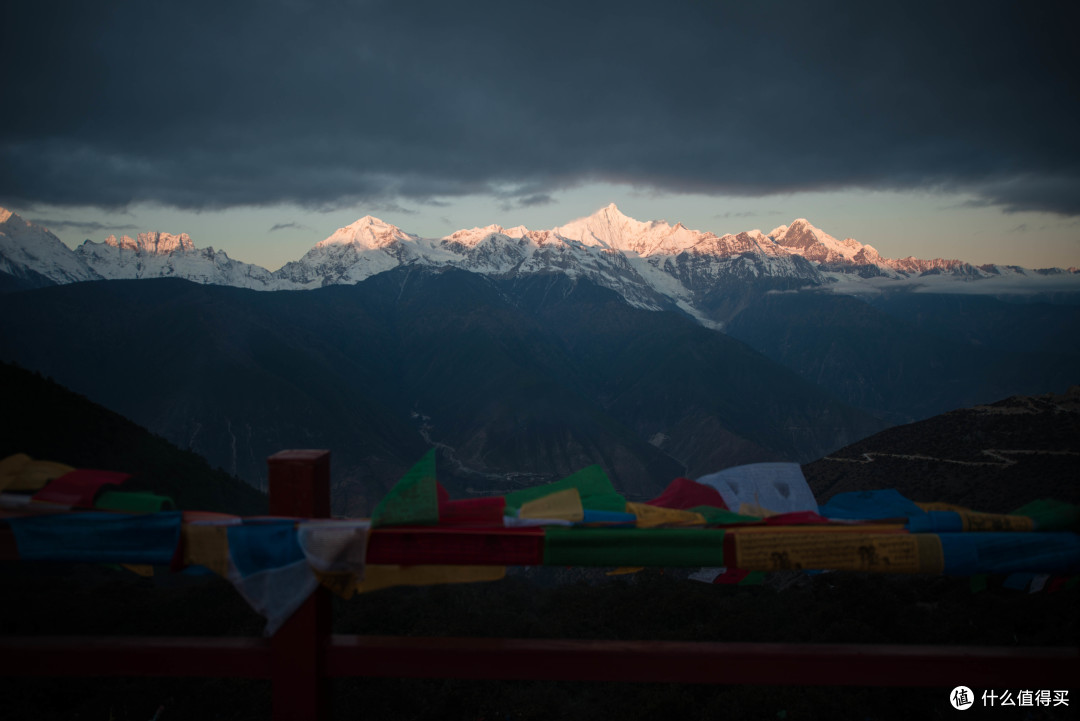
(303, 655)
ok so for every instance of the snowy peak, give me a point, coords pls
(154, 243)
(359, 250)
(748, 241)
(474, 236)
(610, 228)
(815, 244)
(607, 227)
(802, 238)
(12, 223)
(367, 233)
(30, 252)
(801, 235)
(800, 230)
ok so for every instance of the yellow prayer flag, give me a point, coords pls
(624, 570)
(207, 546)
(22, 473)
(753, 509)
(655, 516)
(884, 552)
(564, 505)
(377, 577)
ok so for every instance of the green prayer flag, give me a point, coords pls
(1050, 515)
(414, 500)
(591, 483)
(754, 578)
(133, 502)
(633, 547)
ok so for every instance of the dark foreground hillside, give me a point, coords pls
(993, 458)
(48, 422)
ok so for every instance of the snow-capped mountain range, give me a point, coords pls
(651, 264)
(163, 255)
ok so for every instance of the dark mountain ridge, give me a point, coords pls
(536, 376)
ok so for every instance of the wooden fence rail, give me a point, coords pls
(303, 655)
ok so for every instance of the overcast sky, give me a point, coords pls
(927, 128)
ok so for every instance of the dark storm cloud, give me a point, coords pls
(84, 226)
(526, 201)
(288, 226)
(205, 104)
(746, 214)
(389, 206)
(536, 199)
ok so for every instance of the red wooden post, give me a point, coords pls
(300, 486)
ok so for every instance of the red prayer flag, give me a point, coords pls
(796, 518)
(79, 487)
(487, 510)
(432, 545)
(684, 494)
